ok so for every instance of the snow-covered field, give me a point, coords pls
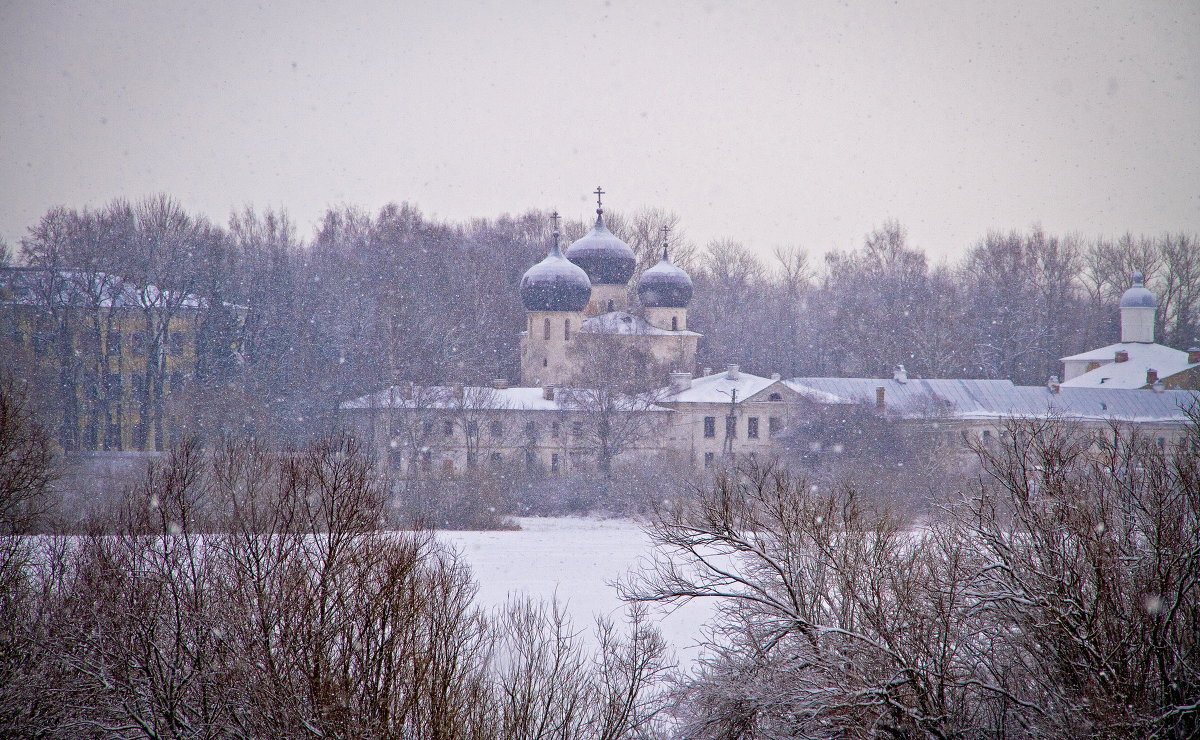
(575, 558)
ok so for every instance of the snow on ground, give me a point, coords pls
(575, 558)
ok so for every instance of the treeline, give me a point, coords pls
(372, 298)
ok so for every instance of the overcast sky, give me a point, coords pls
(774, 123)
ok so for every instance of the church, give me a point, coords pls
(587, 342)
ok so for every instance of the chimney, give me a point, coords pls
(731, 371)
(879, 397)
(1122, 356)
(500, 383)
(458, 392)
(1193, 355)
(900, 374)
(1151, 376)
(548, 393)
(1053, 384)
(680, 382)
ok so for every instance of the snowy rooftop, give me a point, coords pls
(620, 322)
(719, 387)
(33, 287)
(1131, 373)
(990, 399)
(483, 398)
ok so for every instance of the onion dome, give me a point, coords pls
(1137, 296)
(665, 285)
(555, 284)
(606, 259)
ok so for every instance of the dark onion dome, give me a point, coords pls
(555, 284)
(1137, 296)
(606, 259)
(665, 285)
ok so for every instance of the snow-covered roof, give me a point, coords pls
(719, 387)
(620, 322)
(34, 287)
(1131, 373)
(993, 399)
(479, 398)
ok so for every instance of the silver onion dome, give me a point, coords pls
(555, 284)
(605, 258)
(1138, 296)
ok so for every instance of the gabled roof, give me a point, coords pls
(1131, 373)
(620, 322)
(718, 388)
(994, 399)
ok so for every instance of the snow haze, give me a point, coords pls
(773, 123)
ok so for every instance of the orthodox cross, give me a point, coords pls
(666, 231)
(599, 192)
(554, 218)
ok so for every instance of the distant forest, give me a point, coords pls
(373, 298)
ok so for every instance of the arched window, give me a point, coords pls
(567, 330)
(610, 304)
(546, 329)
(674, 323)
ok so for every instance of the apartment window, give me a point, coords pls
(708, 459)
(555, 429)
(531, 431)
(546, 329)
(710, 426)
(426, 428)
(752, 427)
(427, 460)
(567, 330)
(774, 424)
(530, 460)
(114, 342)
(731, 426)
(447, 428)
(448, 466)
(495, 459)
(497, 428)
(577, 429)
(674, 323)
(472, 429)
(554, 462)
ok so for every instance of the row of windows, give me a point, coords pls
(496, 429)
(424, 461)
(139, 343)
(566, 330)
(774, 424)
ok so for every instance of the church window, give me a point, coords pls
(447, 428)
(610, 305)
(708, 459)
(546, 329)
(752, 427)
(774, 424)
(497, 428)
(774, 397)
(731, 426)
(710, 426)
(567, 330)
(674, 323)
(554, 462)
(545, 362)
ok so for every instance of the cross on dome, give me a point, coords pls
(599, 204)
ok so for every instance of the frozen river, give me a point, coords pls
(577, 559)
